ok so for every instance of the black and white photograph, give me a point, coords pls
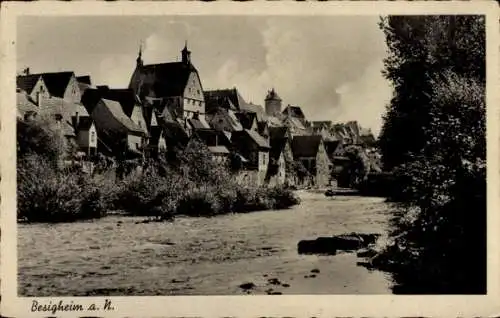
(249, 155)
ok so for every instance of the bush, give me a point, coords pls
(199, 202)
(45, 194)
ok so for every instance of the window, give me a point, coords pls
(92, 137)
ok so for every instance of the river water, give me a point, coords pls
(203, 256)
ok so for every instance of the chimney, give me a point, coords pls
(27, 71)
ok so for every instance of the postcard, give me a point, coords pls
(260, 159)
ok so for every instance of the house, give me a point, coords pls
(255, 149)
(280, 170)
(33, 86)
(118, 134)
(67, 116)
(217, 144)
(130, 104)
(311, 153)
(86, 135)
(176, 84)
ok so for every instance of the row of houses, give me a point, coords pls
(165, 106)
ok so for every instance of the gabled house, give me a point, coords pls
(176, 84)
(280, 170)
(311, 153)
(296, 126)
(118, 134)
(255, 149)
(33, 86)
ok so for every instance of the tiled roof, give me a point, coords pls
(257, 109)
(170, 78)
(305, 146)
(27, 82)
(296, 123)
(258, 139)
(117, 112)
(223, 98)
(321, 123)
(25, 105)
(56, 105)
(294, 111)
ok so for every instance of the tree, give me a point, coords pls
(421, 48)
(434, 140)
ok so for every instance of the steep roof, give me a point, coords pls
(27, 82)
(57, 82)
(257, 109)
(321, 123)
(25, 105)
(258, 139)
(226, 98)
(117, 112)
(294, 111)
(170, 78)
(57, 105)
(246, 119)
(124, 96)
(306, 146)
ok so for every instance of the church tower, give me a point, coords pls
(273, 103)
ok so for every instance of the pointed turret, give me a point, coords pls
(186, 54)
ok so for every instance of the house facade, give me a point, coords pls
(310, 152)
(255, 150)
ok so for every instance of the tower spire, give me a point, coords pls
(139, 57)
(186, 54)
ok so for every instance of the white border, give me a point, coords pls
(252, 306)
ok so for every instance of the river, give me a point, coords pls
(203, 256)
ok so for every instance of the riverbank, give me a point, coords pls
(203, 256)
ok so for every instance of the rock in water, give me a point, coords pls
(247, 286)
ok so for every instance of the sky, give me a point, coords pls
(329, 65)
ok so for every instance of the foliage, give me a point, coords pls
(434, 140)
(37, 136)
(45, 194)
(420, 49)
(197, 186)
